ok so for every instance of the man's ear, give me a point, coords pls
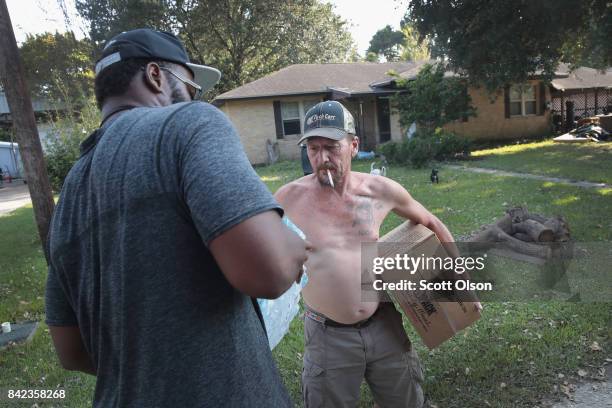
(355, 146)
(153, 77)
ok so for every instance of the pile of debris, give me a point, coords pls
(592, 129)
(526, 234)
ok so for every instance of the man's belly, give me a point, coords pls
(334, 285)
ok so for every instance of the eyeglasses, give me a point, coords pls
(197, 91)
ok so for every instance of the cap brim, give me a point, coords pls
(205, 76)
(329, 133)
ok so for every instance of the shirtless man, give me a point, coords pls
(346, 338)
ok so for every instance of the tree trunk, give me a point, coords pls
(22, 114)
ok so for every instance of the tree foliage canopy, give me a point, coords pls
(500, 42)
(413, 48)
(57, 64)
(432, 99)
(244, 39)
(387, 42)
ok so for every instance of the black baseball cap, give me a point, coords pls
(328, 119)
(160, 45)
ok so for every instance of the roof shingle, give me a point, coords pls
(318, 78)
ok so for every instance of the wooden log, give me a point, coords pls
(556, 223)
(559, 227)
(537, 231)
(485, 233)
(523, 237)
(495, 234)
(527, 248)
(537, 217)
(518, 214)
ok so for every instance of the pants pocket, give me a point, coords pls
(413, 362)
(313, 377)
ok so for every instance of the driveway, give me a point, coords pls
(13, 195)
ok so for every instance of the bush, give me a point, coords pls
(420, 151)
(389, 150)
(62, 148)
(449, 146)
(5, 135)
(426, 146)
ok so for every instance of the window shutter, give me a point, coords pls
(507, 101)
(464, 118)
(278, 119)
(542, 98)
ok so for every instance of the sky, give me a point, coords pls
(365, 17)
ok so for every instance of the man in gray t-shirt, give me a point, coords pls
(162, 235)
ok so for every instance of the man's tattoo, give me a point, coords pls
(363, 214)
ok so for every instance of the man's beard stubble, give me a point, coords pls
(177, 96)
(323, 178)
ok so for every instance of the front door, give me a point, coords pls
(384, 119)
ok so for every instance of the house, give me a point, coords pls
(10, 160)
(43, 111)
(580, 93)
(271, 109)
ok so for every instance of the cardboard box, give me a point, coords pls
(434, 320)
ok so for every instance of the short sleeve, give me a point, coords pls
(58, 310)
(219, 185)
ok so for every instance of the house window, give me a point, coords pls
(290, 112)
(308, 105)
(522, 100)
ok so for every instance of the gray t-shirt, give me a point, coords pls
(129, 263)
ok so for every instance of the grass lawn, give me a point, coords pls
(588, 161)
(510, 358)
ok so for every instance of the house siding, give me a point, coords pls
(254, 121)
(491, 122)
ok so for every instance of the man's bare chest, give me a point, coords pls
(338, 222)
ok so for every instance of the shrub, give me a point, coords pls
(420, 151)
(389, 150)
(5, 135)
(450, 146)
(63, 143)
(426, 146)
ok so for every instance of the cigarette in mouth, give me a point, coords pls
(331, 181)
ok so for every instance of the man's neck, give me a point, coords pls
(113, 105)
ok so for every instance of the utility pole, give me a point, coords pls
(24, 122)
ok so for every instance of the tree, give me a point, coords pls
(108, 18)
(387, 42)
(501, 42)
(432, 100)
(13, 82)
(244, 39)
(57, 63)
(414, 49)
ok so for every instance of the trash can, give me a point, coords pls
(305, 162)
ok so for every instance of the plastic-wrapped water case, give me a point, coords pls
(278, 313)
